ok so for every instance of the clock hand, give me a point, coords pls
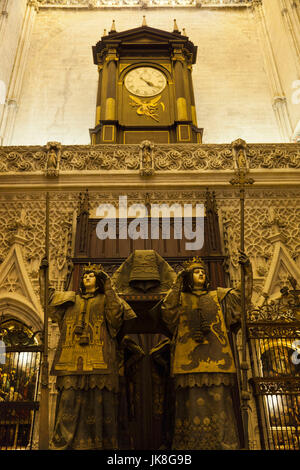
(149, 83)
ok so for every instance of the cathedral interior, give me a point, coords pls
(186, 103)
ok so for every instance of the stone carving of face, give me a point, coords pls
(89, 282)
(199, 277)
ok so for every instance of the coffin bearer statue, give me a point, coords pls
(202, 361)
(86, 362)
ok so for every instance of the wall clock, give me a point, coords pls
(145, 88)
(145, 81)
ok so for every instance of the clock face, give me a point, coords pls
(145, 81)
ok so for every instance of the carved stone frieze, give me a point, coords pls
(142, 3)
(177, 157)
(34, 3)
(260, 239)
(30, 206)
(61, 217)
(101, 157)
(21, 159)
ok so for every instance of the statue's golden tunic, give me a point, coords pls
(214, 353)
(87, 382)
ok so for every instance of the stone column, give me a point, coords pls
(3, 19)
(292, 30)
(295, 6)
(279, 100)
(193, 106)
(53, 343)
(110, 104)
(296, 134)
(16, 78)
(4, 7)
(98, 108)
(181, 106)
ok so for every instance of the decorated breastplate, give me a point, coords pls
(202, 343)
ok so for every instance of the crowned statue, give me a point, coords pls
(86, 363)
(202, 362)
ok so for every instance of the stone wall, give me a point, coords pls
(59, 87)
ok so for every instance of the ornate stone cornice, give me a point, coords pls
(167, 157)
(142, 3)
(256, 3)
(106, 165)
(34, 3)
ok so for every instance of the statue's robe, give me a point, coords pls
(87, 376)
(204, 373)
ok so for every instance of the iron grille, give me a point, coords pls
(274, 338)
(19, 378)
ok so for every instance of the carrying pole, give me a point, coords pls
(44, 397)
(244, 365)
(241, 180)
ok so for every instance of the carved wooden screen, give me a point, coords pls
(112, 252)
(274, 335)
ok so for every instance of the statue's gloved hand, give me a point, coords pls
(180, 275)
(103, 275)
(105, 279)
(179, 278)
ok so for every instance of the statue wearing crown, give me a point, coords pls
(86, 362)
(202, 362)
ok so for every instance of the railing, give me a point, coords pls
(274, 336)
(19, 378)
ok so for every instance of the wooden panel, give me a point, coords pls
(116, 248)
(112, 252)
(157, 136)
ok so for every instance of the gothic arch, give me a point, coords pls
(17, 296)
(16, 306)
(296, 133)
(282, 266)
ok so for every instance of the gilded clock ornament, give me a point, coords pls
(147, 108)
(145, 81)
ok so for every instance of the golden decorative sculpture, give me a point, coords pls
(147, 108)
